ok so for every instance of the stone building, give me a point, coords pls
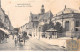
(69, 19)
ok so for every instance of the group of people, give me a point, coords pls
(21, 37)
(3, 36)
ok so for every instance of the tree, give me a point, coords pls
(51, 25)
(47, 26)
(58, 27)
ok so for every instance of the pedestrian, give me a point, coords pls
(15, 41)
(6, 36)
(19, 38)
(13, 36)
(2, 39)
(24, 40)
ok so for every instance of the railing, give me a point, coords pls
(76, 33)
(61, 35)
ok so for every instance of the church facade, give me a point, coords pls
(38, 20)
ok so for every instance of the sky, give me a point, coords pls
(20, 15)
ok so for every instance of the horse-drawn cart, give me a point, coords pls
(23, 37)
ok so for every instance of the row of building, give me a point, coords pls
(5, 22)
(69, 19)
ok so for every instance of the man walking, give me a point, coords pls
(15, 42)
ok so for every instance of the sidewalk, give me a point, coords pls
(57, 42)
(9, 45)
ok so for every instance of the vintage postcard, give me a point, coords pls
(39, 25)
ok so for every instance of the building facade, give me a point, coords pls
(69, 19)
(4, 20)
(36, 21)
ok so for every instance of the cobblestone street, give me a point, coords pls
(31, 44)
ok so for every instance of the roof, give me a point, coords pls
(37, 17)
(51, 29)
(46, 15)
(68, 10)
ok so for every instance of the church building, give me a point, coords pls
(38, 20)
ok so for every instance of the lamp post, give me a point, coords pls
(36, 30)
(39, 32)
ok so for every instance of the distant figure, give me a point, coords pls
(15, 41)
(13, 36)
(24, 41)
(6, 36)
(19, 38)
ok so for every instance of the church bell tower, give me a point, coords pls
(42, 9)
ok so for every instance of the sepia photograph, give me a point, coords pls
(39, 25)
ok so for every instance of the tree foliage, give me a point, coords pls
(47, 26)
(58, 27)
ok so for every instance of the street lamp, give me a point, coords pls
(39, 32)
(36, 30)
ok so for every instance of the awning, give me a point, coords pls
(5, 31)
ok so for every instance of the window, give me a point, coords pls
(67, 25)
(77, 24)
